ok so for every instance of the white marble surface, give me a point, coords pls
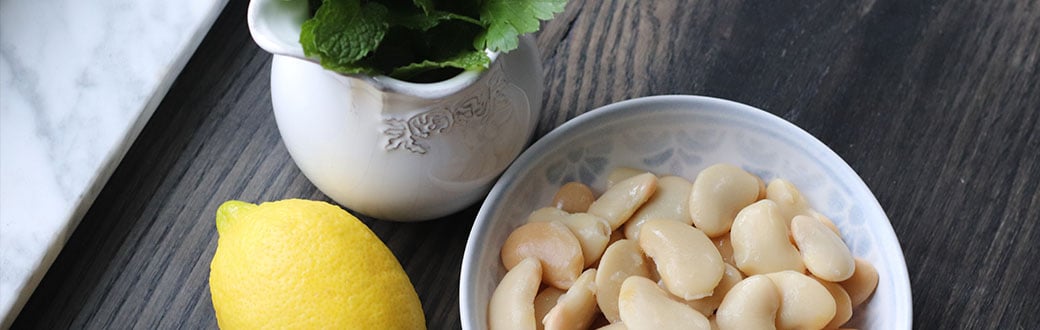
(78, 81)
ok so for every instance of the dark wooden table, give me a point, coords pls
(935, 103)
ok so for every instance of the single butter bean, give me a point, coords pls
(823, 252)
(621, 260)
(804, 302)
(842, 304)
(573, 197)
(553, 244)
(760, 241)
(618, 203)
(592, 232)
(544, 302)
(751, 304)
(862, 283)
(512, 302)
(718, 194)
(644, 305)
(689, 264)
(547, 214)
(576, 309)
(621, 174)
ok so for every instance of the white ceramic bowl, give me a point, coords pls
(682, 135)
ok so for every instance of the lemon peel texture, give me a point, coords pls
(306, 264)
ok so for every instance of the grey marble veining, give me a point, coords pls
(78, 80)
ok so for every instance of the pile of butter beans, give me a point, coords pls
(725, 251)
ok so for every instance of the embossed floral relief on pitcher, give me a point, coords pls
(477, 153)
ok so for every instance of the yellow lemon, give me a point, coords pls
(299, 264)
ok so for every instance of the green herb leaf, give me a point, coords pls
(415, 21)
(463, 18)
(508, 19)
(465, 61)
(423, 22)
(343, 32)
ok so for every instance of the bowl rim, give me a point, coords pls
(467, 280)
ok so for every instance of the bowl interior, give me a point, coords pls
(681, 135)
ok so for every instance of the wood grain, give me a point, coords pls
(936, 104)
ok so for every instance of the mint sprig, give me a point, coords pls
(343, 32)
(472, 59)
(506, 20)
(412, 39)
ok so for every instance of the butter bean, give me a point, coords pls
(512, 302)
(760, 243)
(826, 221)
(576, 309)
(823, 252)
(709, 304)
(804, 302)
(687, 260)
(592, 232)
(644, 305)
(618, 203)
(862, 283)
(573, 197)
(790, 202)
(621, 174)
(722, 243)
(547, 214)
(751, 304)
(718, 194)
(544, 302)
(671, 274)
(552, 244)
(842, 304)
(621, 260)
(669, 202)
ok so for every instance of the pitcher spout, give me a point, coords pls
(276, 24)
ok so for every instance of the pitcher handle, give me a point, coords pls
(275, 25)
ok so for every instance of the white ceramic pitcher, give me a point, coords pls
(392, 149)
